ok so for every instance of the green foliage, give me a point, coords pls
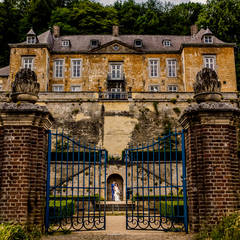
(177, 110)
(173, 100)
(227, 229)
(85, 17)
(155, 105)
(61, 209)
(10, 231)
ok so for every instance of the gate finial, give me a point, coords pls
(207, 87)
(25, 87)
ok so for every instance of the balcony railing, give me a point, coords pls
(121, 78)
(113, 95)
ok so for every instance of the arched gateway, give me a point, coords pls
(117, 179)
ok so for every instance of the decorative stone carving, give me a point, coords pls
(25, 87)
(207, 87)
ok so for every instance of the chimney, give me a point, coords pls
(115, 31)
(194, 30)
(56, 31)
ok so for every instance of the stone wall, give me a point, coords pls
(115, 124)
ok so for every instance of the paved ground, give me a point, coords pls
(116, 231)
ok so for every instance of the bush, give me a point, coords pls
(227, 229)
(62, 209)
(10, 231)
(171, 209)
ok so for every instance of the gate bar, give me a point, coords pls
(184, 183)
(48, 181)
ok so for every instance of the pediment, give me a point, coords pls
(115, 46)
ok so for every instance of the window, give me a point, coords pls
(76, 65)
(116, 71)
(76, 88)
(172, 88)
(31, 39)
(171, 68)
(153, 67)
(57, 88)
(138, 43)
(27, 62)
(65, 43)
(58, 68)
(209, 62)
(166, 43)
(94, 43)
(208, 39)
(154, 88)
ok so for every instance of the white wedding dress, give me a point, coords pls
(116, 194)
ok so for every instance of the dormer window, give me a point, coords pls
(65, 43)
(167, 43)
(31, 39)
(138, 43)
(94, 43)
(208, 39)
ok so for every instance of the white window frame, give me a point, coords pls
(169, 63)
(118, 72)
(76, 86)
(167, 43)
(153, 69)
(172, 88)
(57, 86)
(73, 72)
(208, 39)
(209, 61)
(154, 88)
(31, 39)
(55, 68)
(31, 64)
(65, 43)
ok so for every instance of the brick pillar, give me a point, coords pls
(23, 162)
(213, 171)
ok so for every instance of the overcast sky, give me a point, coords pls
(139, 1)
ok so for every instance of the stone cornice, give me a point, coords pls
(27, 114)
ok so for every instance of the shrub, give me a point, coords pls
(177, 110)
(173, 100)
(10, 231)
(227, 229)
(62, 209)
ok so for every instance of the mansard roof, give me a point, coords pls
(151, 43)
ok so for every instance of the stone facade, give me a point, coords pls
(213, 168)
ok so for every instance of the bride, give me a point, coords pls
(116, 193)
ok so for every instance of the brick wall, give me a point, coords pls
(213, 180)
(23, 162)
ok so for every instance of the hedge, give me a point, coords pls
(62, 209)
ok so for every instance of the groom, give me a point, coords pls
(113, 185)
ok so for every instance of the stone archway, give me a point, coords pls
(119, 180)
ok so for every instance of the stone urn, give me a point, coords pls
(207, 88)
(25, 87)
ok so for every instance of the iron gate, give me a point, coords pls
(76, 185)
(156, 185)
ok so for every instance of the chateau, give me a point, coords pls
(103, 87)
(121, 63)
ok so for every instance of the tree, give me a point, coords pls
(85, 17)
(223, 19)
(9, 25)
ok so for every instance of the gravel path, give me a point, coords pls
(116, 230)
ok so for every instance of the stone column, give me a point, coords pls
(23, 159)
(213, 171)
